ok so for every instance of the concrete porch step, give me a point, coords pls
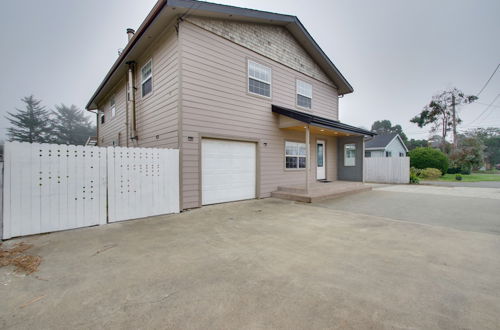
(316, 196)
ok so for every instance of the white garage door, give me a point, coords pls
(228, 170)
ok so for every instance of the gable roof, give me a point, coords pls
(166, 11)
(381, 141)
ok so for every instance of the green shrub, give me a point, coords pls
(430, 173)
(428, 158)
(458, 177)
(414, 173)
(465, 170)
(453, 170)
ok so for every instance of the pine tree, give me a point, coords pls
(71, 125)
(31, 124)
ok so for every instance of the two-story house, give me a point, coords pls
(248, 97)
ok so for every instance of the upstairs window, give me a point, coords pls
(368, 154)
(147, 79)
(295, 155)
(304, 94)
(259, 79)
(388, 154)
(112, 106)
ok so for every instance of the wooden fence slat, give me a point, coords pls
(387, 169)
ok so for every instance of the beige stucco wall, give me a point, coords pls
(215, 102)
(274, 42)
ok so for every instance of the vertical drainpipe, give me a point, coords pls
(97, 127)
(308, 158)
(131, 101)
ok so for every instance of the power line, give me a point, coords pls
(486, 109)
(487, 82)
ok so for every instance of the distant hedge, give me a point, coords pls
(428, 158)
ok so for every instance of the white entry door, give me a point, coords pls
(320, 160)
(228, 170)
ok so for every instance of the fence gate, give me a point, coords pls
(387, 169)
(142, 182)
(50, 187)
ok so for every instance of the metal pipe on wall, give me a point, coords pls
(131, 99)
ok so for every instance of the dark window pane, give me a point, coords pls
(147, 87)
(302, 162)
(258, 87)
(319, 153)
(303, 101)
(291, 162)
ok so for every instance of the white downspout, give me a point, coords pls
(131, 88)
(308, 160)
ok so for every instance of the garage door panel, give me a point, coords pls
(228, 171)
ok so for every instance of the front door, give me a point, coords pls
(320, 160)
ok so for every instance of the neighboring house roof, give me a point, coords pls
(319, 121)
(166, 10)
(381, 141)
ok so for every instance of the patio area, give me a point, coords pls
(319, 191)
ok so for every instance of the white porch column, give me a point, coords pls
(308, 158)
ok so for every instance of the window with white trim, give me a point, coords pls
(112, 106)
(401, 154)
(147, 78)
(304, 94)
(295, 155)
(368, 154)
(350, 154)
(259, 79)
(388, 154)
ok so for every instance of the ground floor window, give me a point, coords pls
(295, 155)
(388, 154)
(350, 154)
(401, 154)
(368, 153)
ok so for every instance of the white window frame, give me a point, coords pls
(150, 76)
(388, 154)
(112, 106)
(259, 79)
(349, 161)
(298, 92)
(297, 155)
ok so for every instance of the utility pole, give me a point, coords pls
(455, 142)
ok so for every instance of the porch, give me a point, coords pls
(318, 191)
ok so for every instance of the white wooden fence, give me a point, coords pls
(142, 182)
(49, 187)
(387, 169)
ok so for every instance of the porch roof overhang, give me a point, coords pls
(321, 122)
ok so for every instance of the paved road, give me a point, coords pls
(471, 209)
(482, 184)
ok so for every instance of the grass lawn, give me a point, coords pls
(474, 177)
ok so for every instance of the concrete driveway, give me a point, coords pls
(260, 264)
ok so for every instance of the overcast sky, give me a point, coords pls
(395, 53)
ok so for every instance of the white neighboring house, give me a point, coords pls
(385, 145)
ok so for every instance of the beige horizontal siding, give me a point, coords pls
(157, 113)
(215, 101)
(114, 127)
